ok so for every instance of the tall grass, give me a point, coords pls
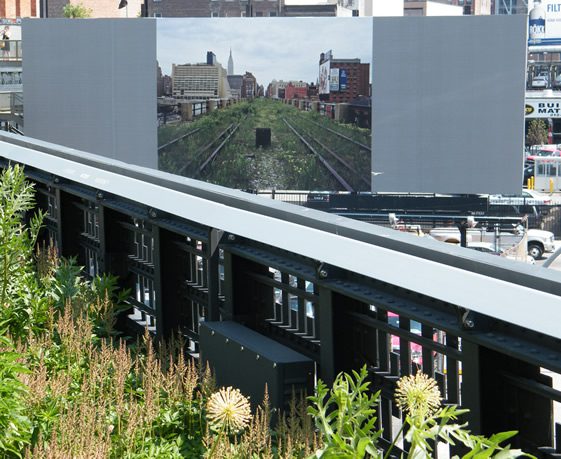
(71, 387)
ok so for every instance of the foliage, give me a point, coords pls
(345, 417)
(537, 132)
(70, 386)
(286, 164)
(15, 425)
(19, 304)
(76, 10)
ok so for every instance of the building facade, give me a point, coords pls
(19, 9)
(432, 8)
(235, 82)
(353, 81)
(199, 82)
(296, 90)
(99, 8)
(509, 6)
(299, 8)
(178, 8)
(213, 8)
(249, 86)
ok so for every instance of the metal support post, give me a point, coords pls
(213, 312)
(325, 325)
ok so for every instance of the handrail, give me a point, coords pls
(11, 50)
(449, 274)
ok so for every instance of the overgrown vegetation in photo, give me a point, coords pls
(286, 165)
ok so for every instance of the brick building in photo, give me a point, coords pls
(99, 8)
(178, 8)
(249, 86)
(18, 9)
(213, 8)
(349, 79)
(296, 90)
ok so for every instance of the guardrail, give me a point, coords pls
(340, 292)
(10, 50)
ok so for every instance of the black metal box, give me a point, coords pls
(242, 358)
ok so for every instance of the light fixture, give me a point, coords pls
(124, 4)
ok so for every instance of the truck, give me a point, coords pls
(539, 241)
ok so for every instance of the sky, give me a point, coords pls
(269, 48)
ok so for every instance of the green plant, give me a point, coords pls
(537, 132)
(426, 421)
(15, 425)
(18, 280)
(76, 10)
(345, 417)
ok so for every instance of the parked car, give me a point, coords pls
(489, 247)
(544, 153)
(416, 349)
(525, 198)
(538, 197)
(540, 81)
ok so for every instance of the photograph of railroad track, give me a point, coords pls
(238, 107)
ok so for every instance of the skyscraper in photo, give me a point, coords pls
(230, 64)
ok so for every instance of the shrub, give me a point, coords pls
(345, 417)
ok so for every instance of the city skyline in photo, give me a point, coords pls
(260, 45)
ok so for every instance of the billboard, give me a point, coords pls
(543, 108)
(323, 87)
(342, 79)
(432, 131)
(334, 80)
(109, 111)
(192, 144)
(544, 23)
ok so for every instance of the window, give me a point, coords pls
(214, 14)
(413, 12)
(259, 14)
(272, 13)
(157, 15)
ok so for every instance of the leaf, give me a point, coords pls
(502, 436)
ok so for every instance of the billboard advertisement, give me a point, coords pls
(200, 53)
(323, 87)
(544, 23)
(439, 147)
(342, 79)
(334, 80)
(543, 108)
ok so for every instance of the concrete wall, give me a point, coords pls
(91, 85)
(448, 104)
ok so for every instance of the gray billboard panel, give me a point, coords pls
(448, 104)
(90, 84)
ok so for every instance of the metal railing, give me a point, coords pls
(341, 292)
(10, 50)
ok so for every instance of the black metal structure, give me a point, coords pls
(338, 292)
